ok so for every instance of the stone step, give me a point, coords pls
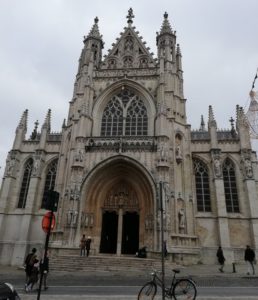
(105, 263)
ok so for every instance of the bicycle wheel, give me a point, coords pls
(184, 289)
(148, 291)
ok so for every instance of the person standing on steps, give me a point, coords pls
(249, 258)
(82, 245)
(87, 245)
(221, 258)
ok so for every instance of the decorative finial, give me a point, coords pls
(231, 120)
(202, 126)
(35, 131)
(165, 15)
(130, 16)
(233, 131)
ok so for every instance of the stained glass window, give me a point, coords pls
(230, 186)
(50, 180)
(202, 186)
(25, 184)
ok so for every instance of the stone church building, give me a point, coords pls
(127, 132)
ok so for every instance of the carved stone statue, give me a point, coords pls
(79, 156)
(217, 167)
(9, 167)
(36, 165)
(181, 218)
(248, 168)
(178, 153)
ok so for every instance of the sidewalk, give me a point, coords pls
(204, 275)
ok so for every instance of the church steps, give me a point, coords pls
(106, 264)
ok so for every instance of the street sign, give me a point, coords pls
(46, 221)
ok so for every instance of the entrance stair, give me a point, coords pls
(105, 263)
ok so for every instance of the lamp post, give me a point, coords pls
(51, 204)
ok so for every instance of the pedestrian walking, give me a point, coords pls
(83, 245)
(221, 258)
(44, 270)
(28, 264)
(87, 245)
(250, 258)
(34, 276)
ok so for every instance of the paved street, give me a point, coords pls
(211, 284)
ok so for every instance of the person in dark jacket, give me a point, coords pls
(44, 269)
(34, 276)
(87, 245)
(221, 258)
(28, 264)
(249, 258)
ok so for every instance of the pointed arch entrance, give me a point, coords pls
(120, 220)
(119, 196)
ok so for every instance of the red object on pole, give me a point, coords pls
(46, 221)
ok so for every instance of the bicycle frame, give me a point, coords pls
(157, 280)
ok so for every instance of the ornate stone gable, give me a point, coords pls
(129, 52)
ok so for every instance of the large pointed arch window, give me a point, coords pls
(50, 180)
(230, 186)
(25, 183)
(202, 186)
(125, 114)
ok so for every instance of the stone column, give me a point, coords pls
(119, 232)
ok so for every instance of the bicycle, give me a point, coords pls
(183, 288)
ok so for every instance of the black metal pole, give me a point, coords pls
(45, 254)
(162, 240)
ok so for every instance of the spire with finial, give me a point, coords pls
(23, 121)
(178, 50)
(130, 16)
(34, 133)
(94, 33)
(64, 123)
(47, 123)
(241, 117)
(165, 27)
(233, 131)
(202, 126)
(212, 121)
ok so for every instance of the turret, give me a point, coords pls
(166, 41)
(21, 131)
(93, 46)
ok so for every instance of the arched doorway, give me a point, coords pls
(120, 220)
(119, 195)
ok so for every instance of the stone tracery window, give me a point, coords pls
(230, 186)
(50, 180)
(25, 184)
(125, 114)
(202, 186)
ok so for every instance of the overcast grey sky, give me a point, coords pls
(41, 42)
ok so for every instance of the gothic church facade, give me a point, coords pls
(126, 133)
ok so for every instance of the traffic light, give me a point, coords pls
(52, 199)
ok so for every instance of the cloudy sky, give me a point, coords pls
(41, 42)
